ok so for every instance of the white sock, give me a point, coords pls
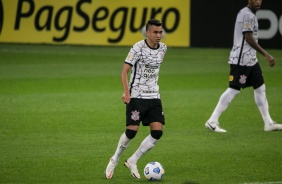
(147, 144)
(261, 101)
(224, 101)
(122, 145)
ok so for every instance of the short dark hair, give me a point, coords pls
(154, 22)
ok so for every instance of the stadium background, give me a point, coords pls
(194, 23)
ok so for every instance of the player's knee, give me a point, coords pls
(156, 134)
(130, 134)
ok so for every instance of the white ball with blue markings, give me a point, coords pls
(154, 171)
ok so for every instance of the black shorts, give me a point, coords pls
(145, 110)
(245, 76)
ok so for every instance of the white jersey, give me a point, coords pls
(145, 63)
(246, 22)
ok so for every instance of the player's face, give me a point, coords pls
(154, 34)
(255, 4)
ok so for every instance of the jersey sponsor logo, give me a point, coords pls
(96, 22)
(243, 79)
(149, 76)
(129, 56)
(231, 78)
(247, 25)
(1, 16)
(152, 66)
(135, 115)
(150, 71)
(142, 91)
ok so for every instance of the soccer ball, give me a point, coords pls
(154, 171)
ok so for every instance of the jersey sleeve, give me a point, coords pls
(133, 55)
(248, 21)
(165, 48)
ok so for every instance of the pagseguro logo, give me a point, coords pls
(1, 16)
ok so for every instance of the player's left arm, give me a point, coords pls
(252, 42)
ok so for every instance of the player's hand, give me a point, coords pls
(126, 98)
(270, 59)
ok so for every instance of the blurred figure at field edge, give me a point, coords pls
(141, 96)
(245, 70)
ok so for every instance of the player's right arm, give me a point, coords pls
(124, 80)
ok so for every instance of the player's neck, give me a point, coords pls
(252, 9)
(151, 44)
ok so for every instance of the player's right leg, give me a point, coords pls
(122, 145)
(224, 101)
(133, 119)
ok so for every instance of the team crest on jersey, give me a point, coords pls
(161, 54)
(242, 79)
(231, 78)
(135, 115)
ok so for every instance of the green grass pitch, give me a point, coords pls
(61, 116)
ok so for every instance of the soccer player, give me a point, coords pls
(245, 70)
(141, 96)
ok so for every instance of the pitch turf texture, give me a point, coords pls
(61, 116)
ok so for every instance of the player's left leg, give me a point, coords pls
(147, 144)
(261, 101)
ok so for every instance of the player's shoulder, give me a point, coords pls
(140, 43)
(246, 11)
(163, 46)
(137, 47)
